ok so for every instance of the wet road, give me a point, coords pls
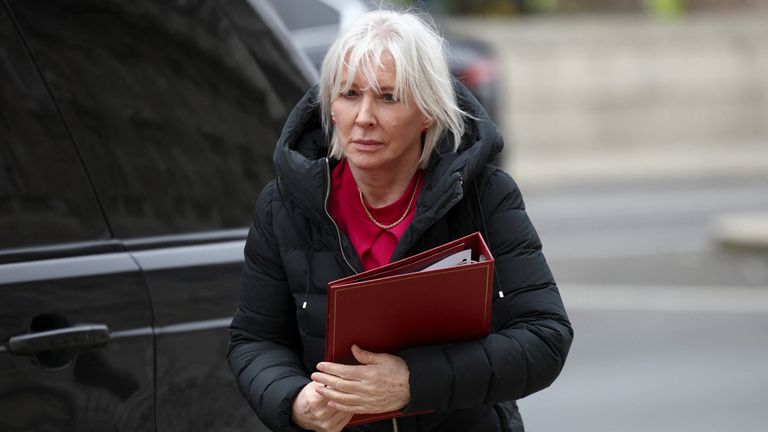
(671, 329)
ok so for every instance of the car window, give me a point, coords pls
(45, 197)
(175, 116)
(301, 14)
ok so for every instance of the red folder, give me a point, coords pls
(399, 305)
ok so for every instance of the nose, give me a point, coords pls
(366, 115)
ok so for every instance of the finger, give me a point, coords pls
(331, 394)
(340, 370)
(341, 384)
(363, 356)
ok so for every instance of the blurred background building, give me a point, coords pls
(638, 131)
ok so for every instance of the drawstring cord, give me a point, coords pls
(306, 253)
(309, 272)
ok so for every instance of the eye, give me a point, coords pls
(389, 97)
(349, 93)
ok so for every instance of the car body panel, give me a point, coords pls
(161, 119)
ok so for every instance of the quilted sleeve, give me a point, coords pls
(264, 341)
(530, 335)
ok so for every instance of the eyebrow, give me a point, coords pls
(355, 84)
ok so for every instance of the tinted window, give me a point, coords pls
(300, 14)
(175, 116)
(45, 197)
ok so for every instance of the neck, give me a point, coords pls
(383, 188)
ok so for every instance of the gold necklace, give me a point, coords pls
(397, 222)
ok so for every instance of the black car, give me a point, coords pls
(135, 137)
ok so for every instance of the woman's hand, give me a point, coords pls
(378, 385)
(310, 411)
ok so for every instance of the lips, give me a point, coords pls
(366, 145)
(366, 142)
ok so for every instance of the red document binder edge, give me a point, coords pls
(336, 291)
(359, 419)
(434, 254)
(410, 266)
(424, 258)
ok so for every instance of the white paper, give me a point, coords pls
(461, 257)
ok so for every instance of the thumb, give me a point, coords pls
(363, 356)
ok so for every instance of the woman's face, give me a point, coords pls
(375, 130)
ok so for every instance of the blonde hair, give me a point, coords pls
(421, 72)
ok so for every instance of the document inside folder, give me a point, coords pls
(459, 258)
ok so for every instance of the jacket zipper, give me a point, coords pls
(327, 196)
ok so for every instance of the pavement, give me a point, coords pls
(746, 231)
(637, 165)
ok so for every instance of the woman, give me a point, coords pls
(393, 160)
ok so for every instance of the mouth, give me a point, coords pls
(366, 142)
(366, 145)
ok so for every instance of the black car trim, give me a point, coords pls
(212, 324)
(165, 241)
(190, 256)
(60, 268)
(63, 250)
(134, 332)
(119, 262)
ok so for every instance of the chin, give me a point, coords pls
(364, 163)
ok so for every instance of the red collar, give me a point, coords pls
(374, 245)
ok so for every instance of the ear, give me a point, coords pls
(427, 123)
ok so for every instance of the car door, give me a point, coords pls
(76, 349)
(175, 108)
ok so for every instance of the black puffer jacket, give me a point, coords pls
(294, 249)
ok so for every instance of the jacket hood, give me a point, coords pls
(302, 162)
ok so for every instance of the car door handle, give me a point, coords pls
(76, 337)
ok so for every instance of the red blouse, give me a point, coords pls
(374, 245)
